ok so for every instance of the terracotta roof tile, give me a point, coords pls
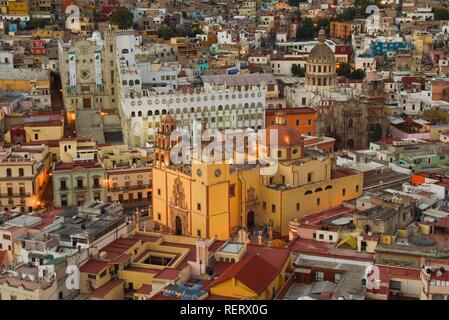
(253, 271)
(93, 266)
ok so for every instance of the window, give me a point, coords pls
(64, 200)
(96, 182)
(13, 297)
(321, 236)
(232, 190)
(319, 276)
(279, 153)
(331, 237)
(8, 172)
(198, 232)
(337, 277)
(297, 206)
(158, 192)
(264, 205)
(36, 136)
(297, 122)
(159, 216)
(309, 177)
(395, 285)
(314, 235)
(357, 188)
(21, 172)
(343, 192)
(318, 201)
(79, 183)
(273, 208)
(6, 237)
(198, 206)
(103, 273)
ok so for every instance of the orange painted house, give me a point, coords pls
(301, 119)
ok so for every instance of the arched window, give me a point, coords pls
(21, 174)
(329, 187)
(131, 83)
(150, 113)
(124, 82)
(124, 51)
(308, 192)
(139, 114)
(137, 81)
(164, 111)
(133, 114)
(318, 190)
(8, 172)
(220, 107)
(156, 112)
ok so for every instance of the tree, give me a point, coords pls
(165, 32)
(348, 14)
(375, 132)
(293, 3)
(123, 18)
(297, 71)
(344, 70)
(358, 74)
(440, 14)
(305, 29)
(36, 23)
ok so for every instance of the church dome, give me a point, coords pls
(321, 53)
(320, 66)
(288, 137)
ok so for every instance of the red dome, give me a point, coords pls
(288, 137)
(168, 118)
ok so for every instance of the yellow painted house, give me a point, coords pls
(252, 278)
(18, 8)
(215, 199)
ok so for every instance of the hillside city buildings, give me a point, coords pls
(246, 150)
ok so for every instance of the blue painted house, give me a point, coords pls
(380, 47)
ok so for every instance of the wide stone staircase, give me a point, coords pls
(89, 123)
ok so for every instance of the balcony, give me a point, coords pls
(129, 188)
(15, 195)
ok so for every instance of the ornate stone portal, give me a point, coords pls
(179, 212)
(251, 208)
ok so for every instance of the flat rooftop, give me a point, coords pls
(25, 74)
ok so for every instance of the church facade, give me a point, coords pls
(216, 199)
(353, 116)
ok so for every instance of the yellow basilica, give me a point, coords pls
(216, 199)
